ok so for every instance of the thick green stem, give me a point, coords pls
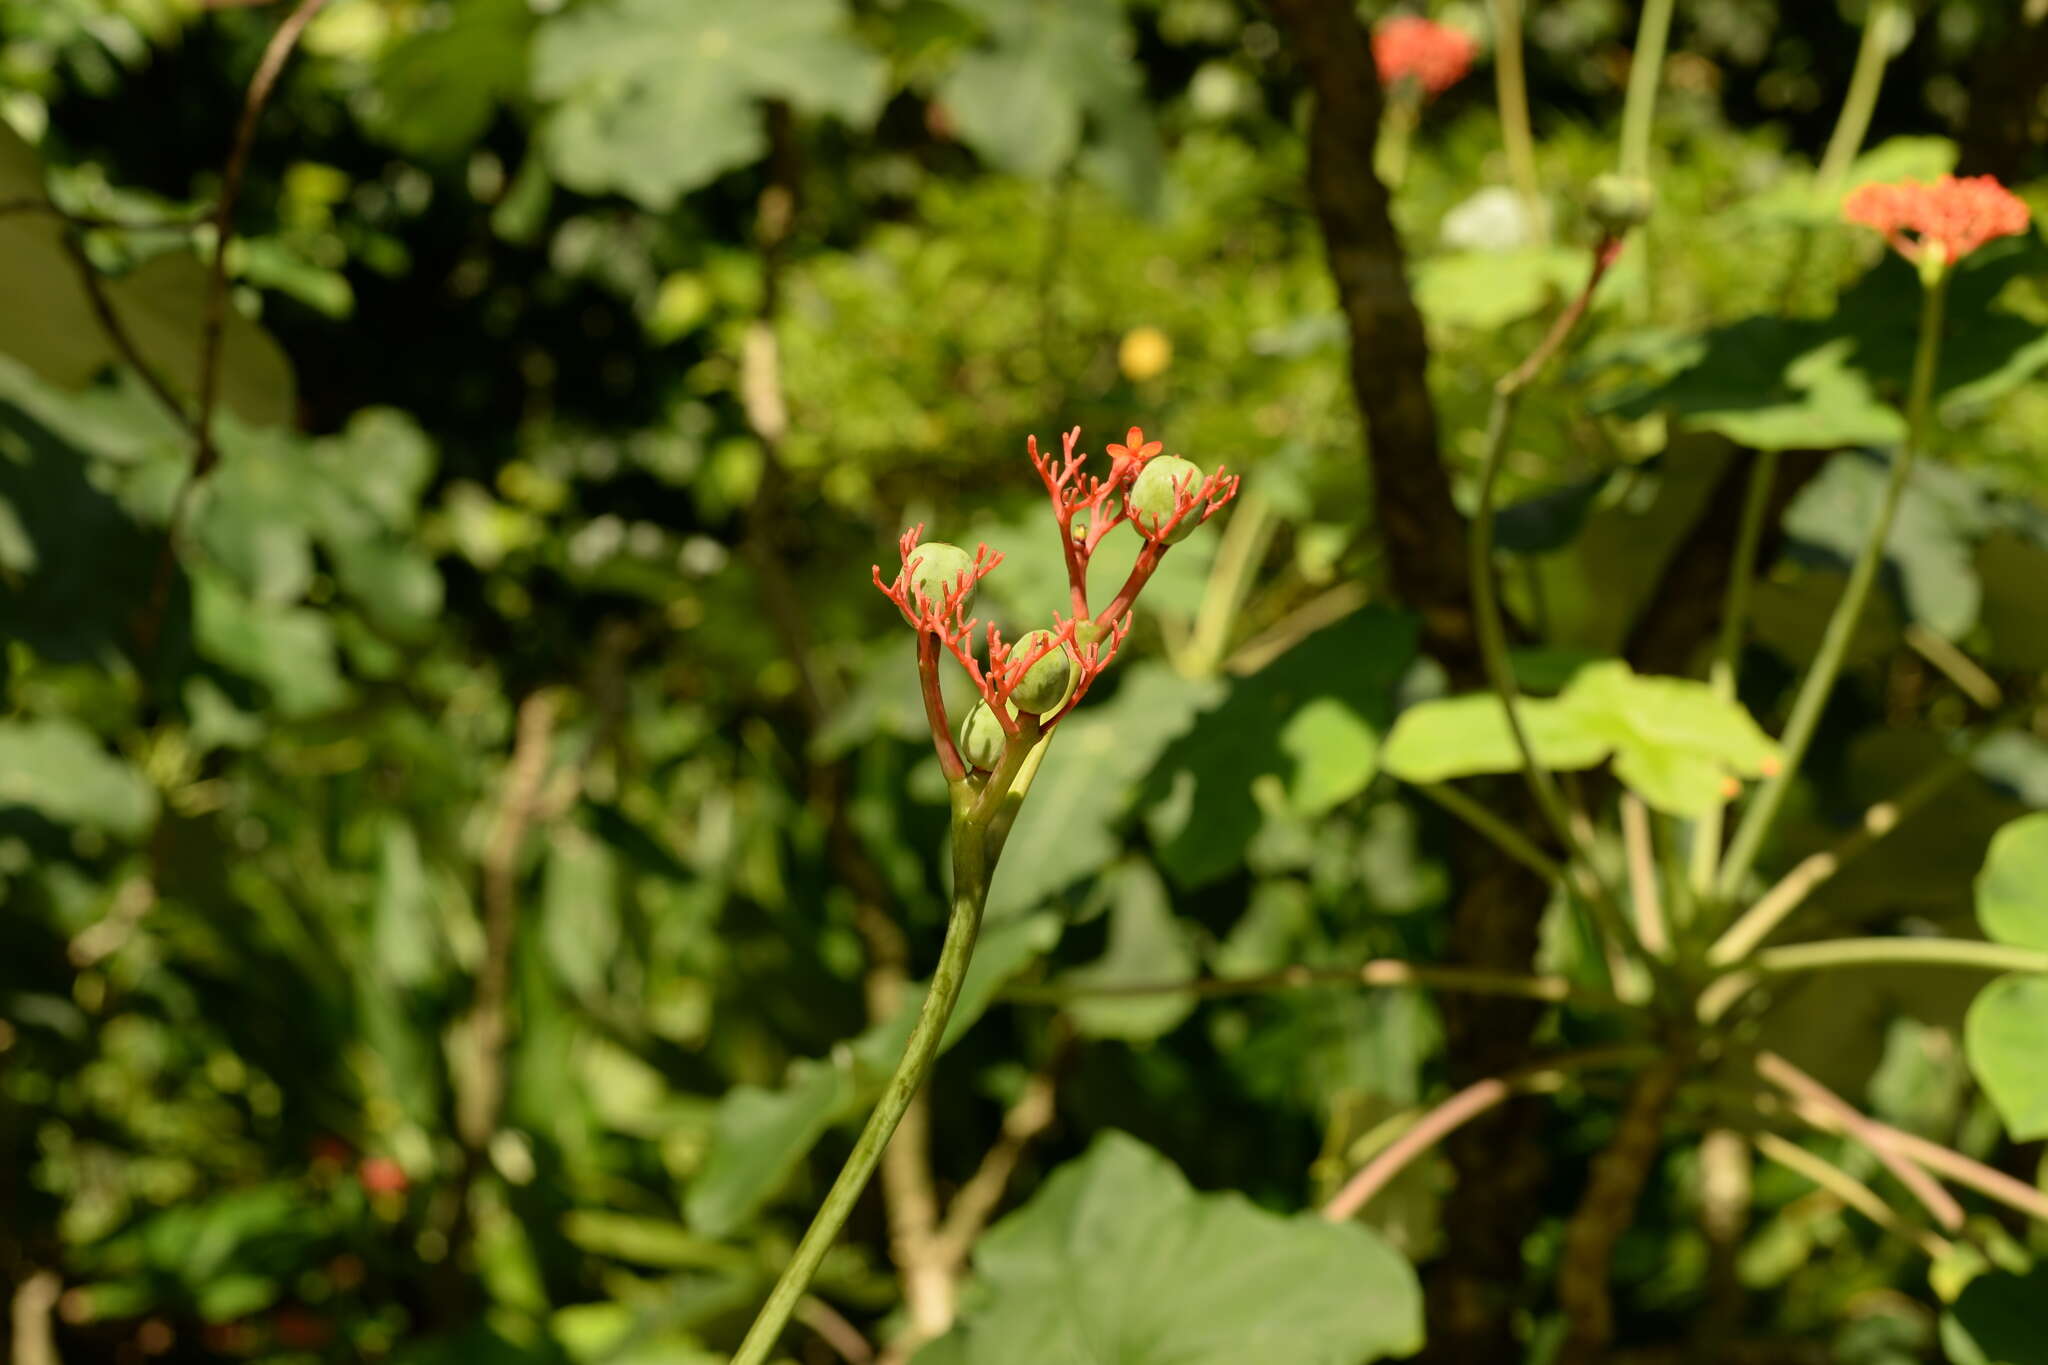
(1834, 645)
(1886, 18)
(971, 870)
(1645, 74)
(1923, 952)
(1511, 92)
(1722, 674)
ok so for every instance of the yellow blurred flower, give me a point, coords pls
(1144, 354)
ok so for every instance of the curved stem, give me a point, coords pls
(1511, 92)
(1722, 674)
(970, 891)
(1849, 1190)
(1489, 625)
(1872, 55)
(1645, 74)
(1834, 645)
(1459, 1110)
(1922, 1186)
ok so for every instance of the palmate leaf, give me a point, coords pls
(653, 98)
(1312, 719)
(1776, 383)
(1672, 740)
(1117, 1261)
(1052, 72)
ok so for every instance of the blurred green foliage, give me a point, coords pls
(488, 452)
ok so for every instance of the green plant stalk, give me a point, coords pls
(1504, 835)
(1645, 74)
(1873, 54)
(1834, 646)
(1770, 910)
(975, 844)
(1721, 675)
(1398, 117)
(1923, 952)
(1511, 93)
(1244, 543)
(1488, 623)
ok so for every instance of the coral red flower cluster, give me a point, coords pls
(1435, 55)
(1950, 218)
(1086, 508)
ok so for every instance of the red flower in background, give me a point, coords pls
(1952, 217)
(381, 1175)
(1436, 55)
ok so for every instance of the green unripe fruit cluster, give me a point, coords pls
(1617, 203)
(934, 570)
(1044, 685)
(1152, 496)
(982, 738)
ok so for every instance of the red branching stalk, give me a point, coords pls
(1946, 220)
(1090, 643)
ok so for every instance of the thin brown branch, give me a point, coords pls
(1862, 1130)
(1460, 1109)
(834, 1330)
(477, 1115)
(213, 328)
(1607, 1209)
(117, 331)
(1027, 1118)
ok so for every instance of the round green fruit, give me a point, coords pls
(935, 569)
(1044, 685)
(982, 738)
(1617, 203)
(1152, 496)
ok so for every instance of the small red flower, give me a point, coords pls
(1436, 55)
(1135, 447)
(1950, 218)
(381, 1175)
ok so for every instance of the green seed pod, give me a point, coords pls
(1152, 496)
(1617, 203)
(1044, 685)
(935, 568)
(982, 738)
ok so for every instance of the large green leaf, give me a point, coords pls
(1146, 946)
(160, 304)
(1672, 740)
(2012, 890)
(1996, 1320)
(653, 98)
(1117, 1261)
(2006, 1036)
(1051, 71)
(1781, 383)
(441, 86)
(1067, 830)
(1931, 546)
(57, 768)
(1311, 719)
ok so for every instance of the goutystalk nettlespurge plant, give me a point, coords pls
(1026, 688)
(1692, 946)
